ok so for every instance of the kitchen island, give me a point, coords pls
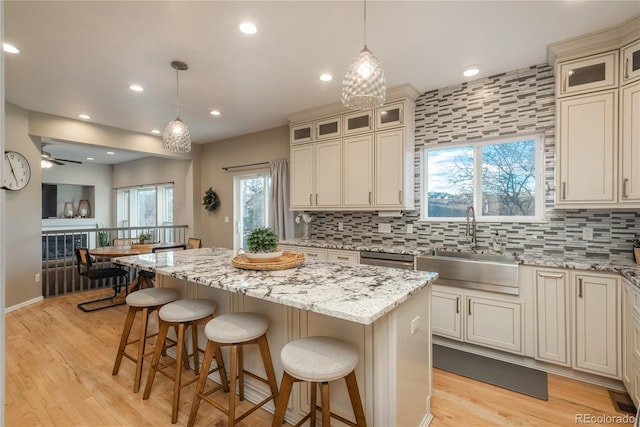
(384, 313)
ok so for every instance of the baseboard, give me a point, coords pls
(23, 304)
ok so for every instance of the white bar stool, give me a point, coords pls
(235, 330)
(179, 314)
(145, 301)
(319, 360)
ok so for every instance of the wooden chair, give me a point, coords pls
(150, 275)
(126, 241)
(86, 269)
(194, 243)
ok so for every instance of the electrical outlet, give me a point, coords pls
(384, 228)
(226, 219)
(340, 226)
(37, 277)
(587, 233)
(409, 228)
(415, 325)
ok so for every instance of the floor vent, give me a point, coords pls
(622, 402)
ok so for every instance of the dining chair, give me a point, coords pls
(86, 268)
(194, 243)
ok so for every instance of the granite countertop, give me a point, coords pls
(353, 292)
(625, 267)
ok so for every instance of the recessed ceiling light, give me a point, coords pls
(248, 28)
(84, 116)
(156, 131)
(215, 112)
(110, 152)
(136, 88)
(471, 70)
(9, 48)
(326, 77)
(90, 158)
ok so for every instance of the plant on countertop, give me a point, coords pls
(636, 248)
(144, 237)
(262, 239)
(636, 241)
(210, 201)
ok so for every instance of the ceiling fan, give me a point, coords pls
(46, 156)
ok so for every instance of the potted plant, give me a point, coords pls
(262, 243)
(636, 248)
(144, 238)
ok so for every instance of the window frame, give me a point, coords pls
(476, 146)
(127, 202)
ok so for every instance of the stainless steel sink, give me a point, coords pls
(487, 272)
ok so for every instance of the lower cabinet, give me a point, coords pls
(321, 254)
(551, 293)
(482, 318)
(631, 340)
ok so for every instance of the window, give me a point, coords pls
(145, 206)
(251, 205)
(502, 180)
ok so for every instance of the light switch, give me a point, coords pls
(415, 325)
(384, 228)
(340, 226)
(226, 219)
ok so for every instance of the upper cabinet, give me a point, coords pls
(354, 160)
(584, 75)
(630, 63)
(598, 118)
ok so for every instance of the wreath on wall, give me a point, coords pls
(211, 201)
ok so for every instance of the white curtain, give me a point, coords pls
(280, 217)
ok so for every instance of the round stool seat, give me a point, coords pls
(319, 359)
(151, 297)
(236, 327)
(186, 310)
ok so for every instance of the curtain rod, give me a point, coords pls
(144, 185)
(226, 168)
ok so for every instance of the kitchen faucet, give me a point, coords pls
(470, 233)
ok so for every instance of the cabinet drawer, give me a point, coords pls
(589, 74)
(314, 253)
(630, 62)
(350, 257)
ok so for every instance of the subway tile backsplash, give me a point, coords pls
(519, 102)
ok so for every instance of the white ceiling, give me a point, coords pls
(81, 56)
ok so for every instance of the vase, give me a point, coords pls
(305, 231)
(68, 210)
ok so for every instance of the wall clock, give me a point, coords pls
(16, 171)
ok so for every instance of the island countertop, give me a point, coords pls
(353, 292)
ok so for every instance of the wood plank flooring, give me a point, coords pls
(58, 373)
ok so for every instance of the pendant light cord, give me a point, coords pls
(177, 93)
(365, 23)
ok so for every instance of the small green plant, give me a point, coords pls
(262, 239)
(210, 201)
(636, 241)
(144, 237)
(104, 238)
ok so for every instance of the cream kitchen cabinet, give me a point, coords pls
(596, 72)
(630, 63)
(316, 175)
(316, 130)
(628, 341)
(630, 143)
(358, 122)
(393, 115)
(477, 317)
(596, 312)
(357, 172)
(551, 298)
(587, 127)
(394, 153)
(322, 254)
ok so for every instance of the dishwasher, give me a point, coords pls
(380, 259)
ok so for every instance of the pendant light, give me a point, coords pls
(176, 136)
(363, 86)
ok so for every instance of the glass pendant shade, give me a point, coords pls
(176, 137)
(363, 86)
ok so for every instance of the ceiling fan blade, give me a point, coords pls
(52, 160)
(66, 160)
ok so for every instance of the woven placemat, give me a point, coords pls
(287, 260)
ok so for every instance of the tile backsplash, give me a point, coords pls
(518, 102)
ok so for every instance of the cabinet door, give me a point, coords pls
(349, 257)
(494, 323)
(630, 64)
(328, 173)
(301, 133)
(359, 122)
(597, 324)
(358, 171)
(583, 75)
(446, 314)
(587, 134)
(302, 173)
(329, 128)
(390, 116)
(389, 169)
(630, 144)
(551, 297)
(628, 333)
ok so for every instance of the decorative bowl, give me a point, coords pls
(261, 256)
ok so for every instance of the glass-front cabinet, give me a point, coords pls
(328, 128)
(361, 121)
(389, 116)
(597, 72)
(302, 133)
(630, 62)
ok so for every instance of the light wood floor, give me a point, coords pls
(58, 372)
